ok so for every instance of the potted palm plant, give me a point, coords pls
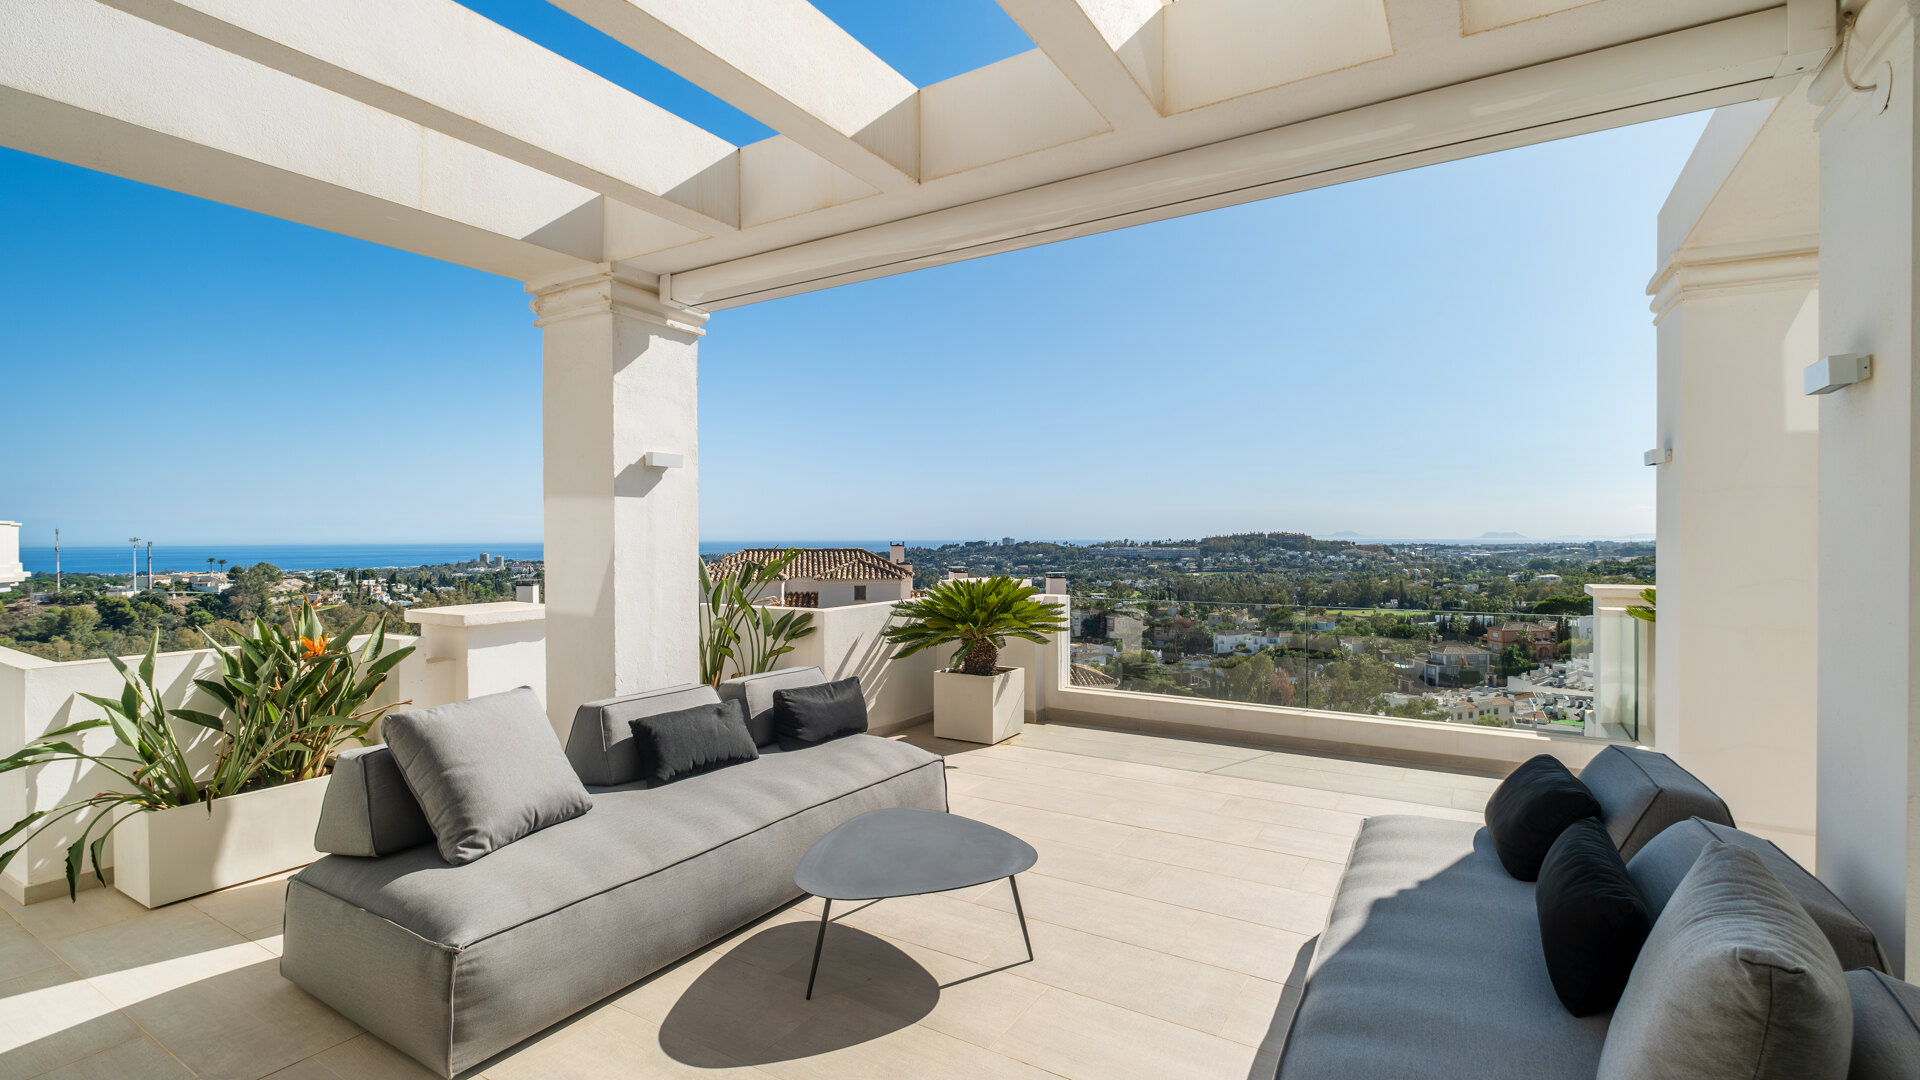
(975, 699)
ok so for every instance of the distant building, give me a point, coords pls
(829, 577)
(1091, 678)
(1232, 641)
(11, 572)
(1449, 662)
(1536, 636)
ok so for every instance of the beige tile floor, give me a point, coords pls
(1178, 885)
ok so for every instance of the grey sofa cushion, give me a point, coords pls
(368, 810)
(1642, 792)
(454, 964)
(806, 716)
(1886, 1027)
(600, 743)
(757, 692)
(1660, 866)
(1430, 966)
(686, 742)
(1735, 982)
(487, 771)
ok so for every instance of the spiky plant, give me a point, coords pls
(977, 615)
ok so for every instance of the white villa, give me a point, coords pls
(11, 572)
(1191, 854)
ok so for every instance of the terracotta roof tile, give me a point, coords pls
(820, 564)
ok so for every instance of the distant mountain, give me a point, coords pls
(1345, 534)
(1503, 536)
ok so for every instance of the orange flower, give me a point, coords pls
(314, 646)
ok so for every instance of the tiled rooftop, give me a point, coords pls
(1178, 884)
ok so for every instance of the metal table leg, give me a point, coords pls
(1022, 912)
(826, 909)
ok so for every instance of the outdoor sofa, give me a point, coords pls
(1431, 963)
(452, 964)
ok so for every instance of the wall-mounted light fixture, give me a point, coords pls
(1835, 372)
(1657, 456)
(660, 459)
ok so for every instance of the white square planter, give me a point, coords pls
(167, 855)
(979, 708)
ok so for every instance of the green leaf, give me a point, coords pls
(14, 830)
(74, 854)
(195, 716)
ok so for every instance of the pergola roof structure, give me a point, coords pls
(422, 125)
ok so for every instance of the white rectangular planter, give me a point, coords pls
(167, 855)
(979, 708)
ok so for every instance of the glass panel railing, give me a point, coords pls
(1529, 672)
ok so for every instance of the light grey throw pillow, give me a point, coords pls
(1734, 981)
(487, 771)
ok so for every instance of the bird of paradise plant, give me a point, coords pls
(738, 632)
(291, 699)
(297, 694)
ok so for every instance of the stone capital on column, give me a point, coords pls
(607, 291)
(1794, 263)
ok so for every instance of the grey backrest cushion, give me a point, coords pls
(1734, 981)
(1659, 867)
(1641, 792)
(487, 771)
(1886, 1027)
(600, 744)
(757, 692)
(369, 810)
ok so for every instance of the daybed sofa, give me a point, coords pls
(452, 964)
(1431, 962)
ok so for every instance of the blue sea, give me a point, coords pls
(118, 559)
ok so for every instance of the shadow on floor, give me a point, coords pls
(867, 988)
(1266, 1064)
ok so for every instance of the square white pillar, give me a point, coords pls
(1869, 818)
(622, 537)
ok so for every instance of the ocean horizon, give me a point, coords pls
(119, 558)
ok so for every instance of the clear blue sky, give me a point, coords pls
(1460, 349)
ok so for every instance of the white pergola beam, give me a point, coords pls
(1066, 31)
(1693, 69)
(88, 84)
(786, 65)
(441, 65)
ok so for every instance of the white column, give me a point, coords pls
(622, 538)
(1869, 823)
(1735, 674)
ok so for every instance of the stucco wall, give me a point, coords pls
(1869, 816)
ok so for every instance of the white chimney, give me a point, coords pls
(527, 592)
(1056, 584)
(897, 553)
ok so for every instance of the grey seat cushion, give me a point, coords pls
(486, 771)
(368, 810)
(632, 832)
(1886, 1027)
(757, 692)
(1735, 983)
(600, 743)
(1431, 967)
(1641, 792)
(1660, 866)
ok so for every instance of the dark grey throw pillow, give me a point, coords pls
(1527, 812)
(808, 715)
(1735, 983)
(1592, 918)
(688, 741)
(487, 771)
